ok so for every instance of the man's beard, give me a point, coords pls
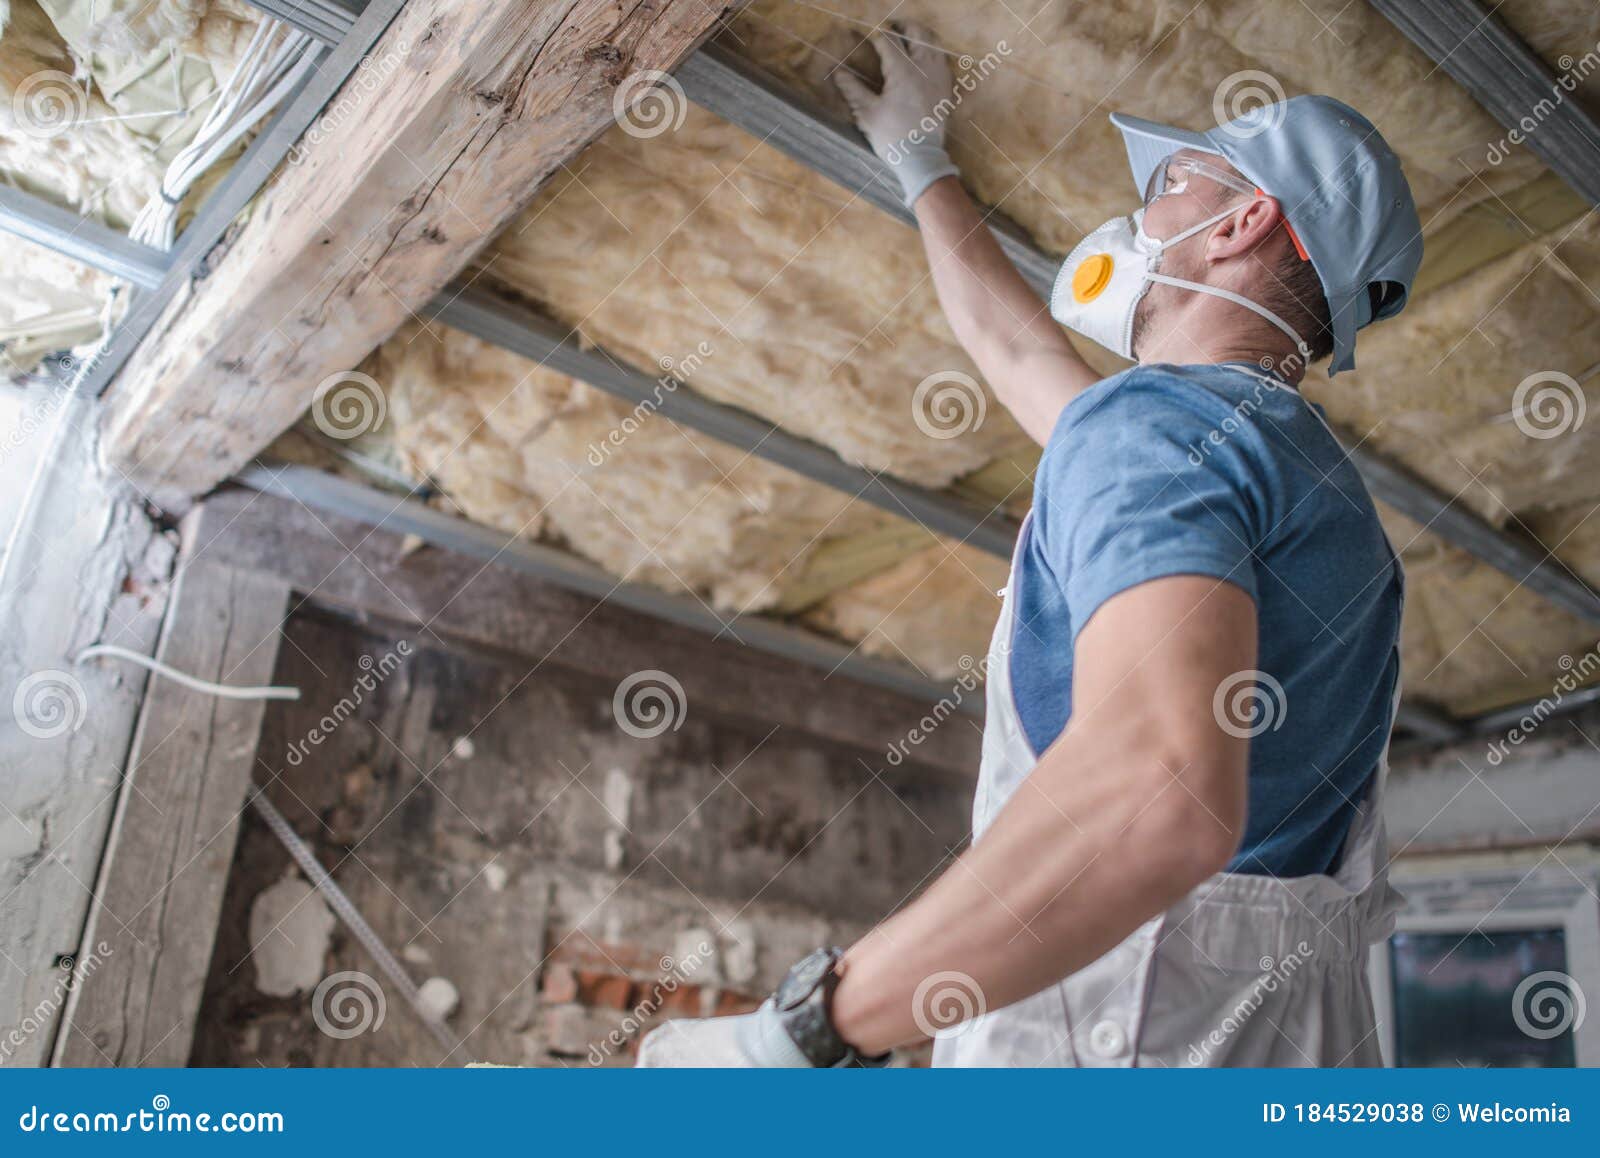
(1148, 315)
(1141, 322)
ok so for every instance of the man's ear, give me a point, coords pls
(1244, 229)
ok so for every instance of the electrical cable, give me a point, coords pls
(303, 856)
(274, 62)
(225, 691)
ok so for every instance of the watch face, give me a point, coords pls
(803, 979)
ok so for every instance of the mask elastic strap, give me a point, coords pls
(1190, 232)
(1238, 300)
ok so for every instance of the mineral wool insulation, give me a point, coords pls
(96, 97)
(818, 315)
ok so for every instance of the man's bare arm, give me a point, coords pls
(1140, 800)
(998, 319)
(996, 315)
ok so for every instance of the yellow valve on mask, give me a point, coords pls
(1091, 277)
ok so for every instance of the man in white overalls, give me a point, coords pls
(1178, 855)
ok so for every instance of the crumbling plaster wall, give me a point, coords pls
(501, 831)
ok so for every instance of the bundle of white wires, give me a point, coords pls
(277, 58)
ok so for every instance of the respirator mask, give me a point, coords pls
(1108, 273)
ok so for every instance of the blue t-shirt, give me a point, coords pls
(1221, 471)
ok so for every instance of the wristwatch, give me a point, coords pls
(804, 1005)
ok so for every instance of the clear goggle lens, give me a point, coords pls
(1173, 174)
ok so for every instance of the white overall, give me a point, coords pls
(1244, 971)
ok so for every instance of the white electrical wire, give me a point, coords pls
(226, 691)
(274, 62)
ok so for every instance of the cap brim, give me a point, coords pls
(1149, 143)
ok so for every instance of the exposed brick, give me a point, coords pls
(606, 990)
(732, 1001)
(559, 983)
(579, 949)
(683, 1001)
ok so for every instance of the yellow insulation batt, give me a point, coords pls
(1441, 388)
(1031, 132)
(934, 611)
(96, 98)
(1436, 386)
(1472, 638)
(816, 307)
(49, 303)
(536, 453)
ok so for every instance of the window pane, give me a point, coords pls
(1457, 999)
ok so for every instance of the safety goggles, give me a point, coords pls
(1173, 173)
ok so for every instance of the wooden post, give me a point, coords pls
(147, 946)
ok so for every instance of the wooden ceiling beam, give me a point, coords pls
(463, 110)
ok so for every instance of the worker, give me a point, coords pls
(1178, 854)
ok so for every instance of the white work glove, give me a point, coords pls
(904, 123)
(749, 1041)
